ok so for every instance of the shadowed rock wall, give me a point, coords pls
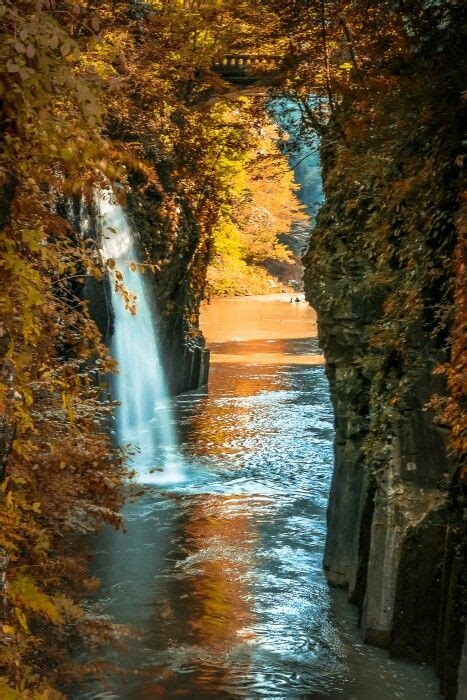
(177, 286)
(394, 515)
(380, 272)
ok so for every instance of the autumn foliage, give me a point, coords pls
(89, 94)
(115, 93)
(262, 206)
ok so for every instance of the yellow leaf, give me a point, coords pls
(66, 153)
(21, 617)
(68, 407)
(65, 49)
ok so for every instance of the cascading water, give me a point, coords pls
(144, 417)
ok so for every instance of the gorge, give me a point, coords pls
(211, 486)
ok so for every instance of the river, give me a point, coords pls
(221, 575)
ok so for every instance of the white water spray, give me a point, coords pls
(144, 417)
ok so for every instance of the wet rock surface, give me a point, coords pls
(176, 286)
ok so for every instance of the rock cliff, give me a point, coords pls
(177, 286)
(380, 271)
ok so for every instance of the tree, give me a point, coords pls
(264, 206)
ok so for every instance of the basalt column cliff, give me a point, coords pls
(384, 271)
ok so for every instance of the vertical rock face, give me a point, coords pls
(6, 432)
(380, 272)
(177, 286)
(394, 523)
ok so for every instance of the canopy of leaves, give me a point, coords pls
(122, 92)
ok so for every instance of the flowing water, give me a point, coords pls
(302, 149)
(220, 575)
(144, 417)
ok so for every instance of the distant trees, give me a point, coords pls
(263, 206)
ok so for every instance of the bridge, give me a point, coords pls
(245, 69)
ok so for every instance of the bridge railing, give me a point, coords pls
(244, 62)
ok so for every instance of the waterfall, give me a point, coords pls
(144, 416)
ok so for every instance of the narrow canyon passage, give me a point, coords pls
(232, 356)
(221, 575)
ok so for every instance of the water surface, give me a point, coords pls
(221, 575)
(258, 330)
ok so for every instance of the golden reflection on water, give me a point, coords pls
(265, 359)
(222, 540)
(222, 537)
(221, 576)
(216, 423)
(220, 545)
(255, 330)
(257, 318)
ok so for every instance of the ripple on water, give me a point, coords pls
(222, 573)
